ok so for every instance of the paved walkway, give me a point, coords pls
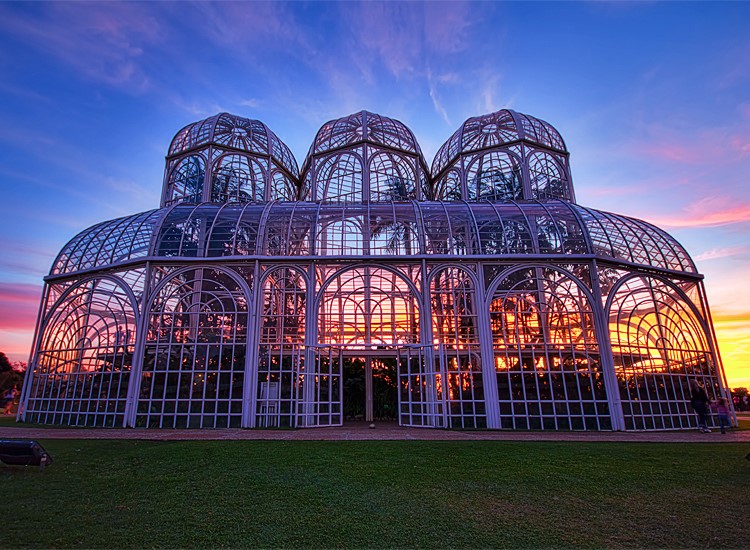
(361, 432)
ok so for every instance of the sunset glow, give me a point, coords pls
(657, 120)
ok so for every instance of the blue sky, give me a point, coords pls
(653, 100)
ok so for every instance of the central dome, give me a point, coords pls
(364, 126)
(364, 157)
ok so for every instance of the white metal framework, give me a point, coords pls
(474, 295)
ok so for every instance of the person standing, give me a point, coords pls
(722, 411)
(9, 397)
(700, 402)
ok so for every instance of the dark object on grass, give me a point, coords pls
(24, 452)
(747, 456)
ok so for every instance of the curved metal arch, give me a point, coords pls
(495, 283)
(260, 242)
(241, 282)
(249, 156)
(582, 224)
(88, 278)
(216, 220)
(328, 164)
(477, 242)
(239, 219)
(683, 296)
(146, 217)
(158, 226)
(336, 274)
(419, 216)
(554, 222)
(533, 151)
(478, 157)
(177, 160)
(92, 237)
(437, 268)
(188, 220)
(124, 223)
(264, 273)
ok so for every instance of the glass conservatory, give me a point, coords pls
(475, 293)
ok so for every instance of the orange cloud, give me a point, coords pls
(733, 334)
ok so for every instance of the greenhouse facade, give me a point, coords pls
(475, 293)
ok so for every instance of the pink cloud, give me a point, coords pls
(19, 305)
(718, 253)
(707, 212)
(702, 146)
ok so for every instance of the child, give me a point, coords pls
(722, 411)
(8, 397)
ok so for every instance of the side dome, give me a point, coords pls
(503, 155)
(364, 157)
(227, 158)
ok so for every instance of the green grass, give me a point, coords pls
(378, 494)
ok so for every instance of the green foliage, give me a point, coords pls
(10, 374)
(5, 365)
(378, 494)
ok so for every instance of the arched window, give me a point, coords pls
(368, 306)
(449, 187)
(238, 178)
(84, 358)
(339, 179)
(186, 181)
(495, 176)
(392, 178)
(194, 354)
(341, 237)
(548, 180)
(659, 345)
(455, 335)
(546, 353)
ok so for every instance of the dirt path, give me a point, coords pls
(361, 431)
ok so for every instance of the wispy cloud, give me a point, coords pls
(707, 212)
(432, 86)
(695, 147)
(103, 42)
(720, 253)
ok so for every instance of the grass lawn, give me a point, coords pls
(378, 494)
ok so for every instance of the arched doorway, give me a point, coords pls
(369, 362)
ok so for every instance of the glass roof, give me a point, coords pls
(493, 130)
(364, 126)
(492, 229)
(234, 132)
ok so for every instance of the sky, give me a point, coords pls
(652, 99)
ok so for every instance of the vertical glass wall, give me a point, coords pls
(84, 357)
(194, 354)
(546, 353)
(659, 344)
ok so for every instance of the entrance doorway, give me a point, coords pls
(397, 383)
(370, 390)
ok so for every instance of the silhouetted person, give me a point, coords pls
(700, 402)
